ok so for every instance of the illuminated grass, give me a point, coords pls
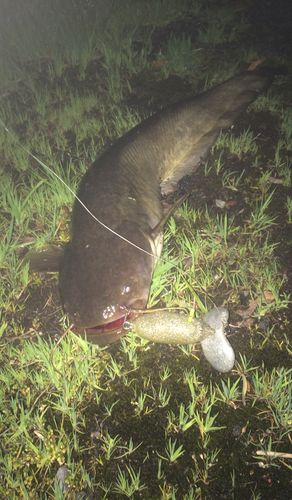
(136, 419)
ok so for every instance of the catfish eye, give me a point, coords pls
(126, 289)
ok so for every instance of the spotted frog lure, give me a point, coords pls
(172, 328)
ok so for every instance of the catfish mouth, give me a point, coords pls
(110, 327)
(107, 333)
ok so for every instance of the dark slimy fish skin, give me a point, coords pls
(101, 275)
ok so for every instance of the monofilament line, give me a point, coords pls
(76, 197)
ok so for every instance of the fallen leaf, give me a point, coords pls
(159, 63)
(246, 323)
(39, 435)
(269, 297)
(273, 180)
(254, 65)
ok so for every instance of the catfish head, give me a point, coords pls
(103, 277)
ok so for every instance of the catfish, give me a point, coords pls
(105, 271)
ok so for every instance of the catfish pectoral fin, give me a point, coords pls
(158, 228)
(190, 163)
(46, 260)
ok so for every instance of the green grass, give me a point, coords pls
(238, 146)
(179, 57)
(136, 420)
(55, 425)
(220, 257)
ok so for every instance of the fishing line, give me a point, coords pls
(98, 220)
(77, 198)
